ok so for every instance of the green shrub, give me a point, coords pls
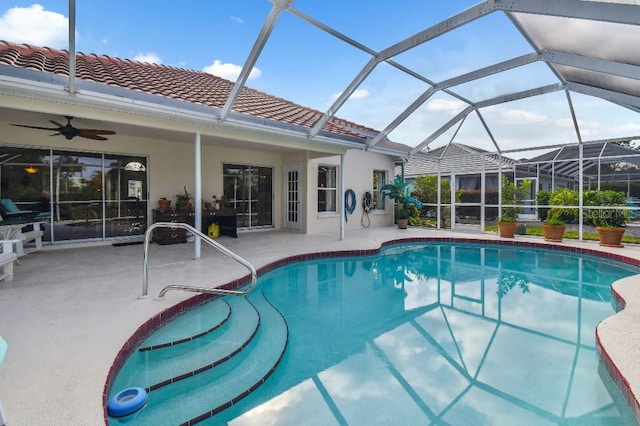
(542, 199)
(564, 197)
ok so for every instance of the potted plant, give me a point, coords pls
(553, 229)
(183, 200)
(610, 226)
(507, 225)
(511, 194)
(216, 202)
(164, 204)
(401, 191)
(610, 223)
(224, 200)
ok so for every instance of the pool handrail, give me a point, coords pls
(208, 240)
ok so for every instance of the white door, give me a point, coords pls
(292, 219)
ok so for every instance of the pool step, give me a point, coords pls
(217, 386)
(200, 322)
(156, 368)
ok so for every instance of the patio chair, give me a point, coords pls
(9, 209)
(7, 258)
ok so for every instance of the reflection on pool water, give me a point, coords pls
(435, 334)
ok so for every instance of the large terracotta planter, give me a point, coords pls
(402, 223)
(610, 237)
(507, 229)
(553, 232)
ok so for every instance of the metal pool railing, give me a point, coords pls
(211, 242)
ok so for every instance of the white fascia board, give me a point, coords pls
(52, 93)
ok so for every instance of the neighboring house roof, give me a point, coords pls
(564, 161)
(196, 87)
(459, 158)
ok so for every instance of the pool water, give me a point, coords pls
(431, 334)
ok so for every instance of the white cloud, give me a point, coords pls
(230, 71)
(568, 122)
(517, 116)
(357, 94)
(34, 25)
(629, 128)
(237, 20)
(445, 105)
(150, 57)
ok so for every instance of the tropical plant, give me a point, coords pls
(183, 198)
(506, 218)
(560, 199)
(402, 192)
(512, 195)
(552, 221)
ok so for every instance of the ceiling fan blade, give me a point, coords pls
(70, 132)
(36, 127)
(95, 134)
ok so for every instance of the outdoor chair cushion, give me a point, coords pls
(9, 209)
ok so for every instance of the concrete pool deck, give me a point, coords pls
(69, 310)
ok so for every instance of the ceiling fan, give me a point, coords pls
(70, 132)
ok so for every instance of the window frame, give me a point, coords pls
(376, 194)
(328, 190)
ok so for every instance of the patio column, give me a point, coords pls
(343, 214)
(580, 191)
(483, 187)
(438, 198)
(452, 186)
(197, 169)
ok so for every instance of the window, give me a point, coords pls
(327, 189)
(379, 180)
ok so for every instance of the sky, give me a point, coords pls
(305, 65)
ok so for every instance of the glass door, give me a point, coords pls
(249, 190)
(292, 220)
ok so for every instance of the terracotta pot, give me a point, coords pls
(610, 237)
(164, 204)
(402, 223)
(553, 232)
(507, 229)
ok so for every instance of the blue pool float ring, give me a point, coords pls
(127, 402)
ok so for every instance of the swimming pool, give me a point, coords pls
(416, 334)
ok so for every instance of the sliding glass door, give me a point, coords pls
(79, 195)
(249, 190)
